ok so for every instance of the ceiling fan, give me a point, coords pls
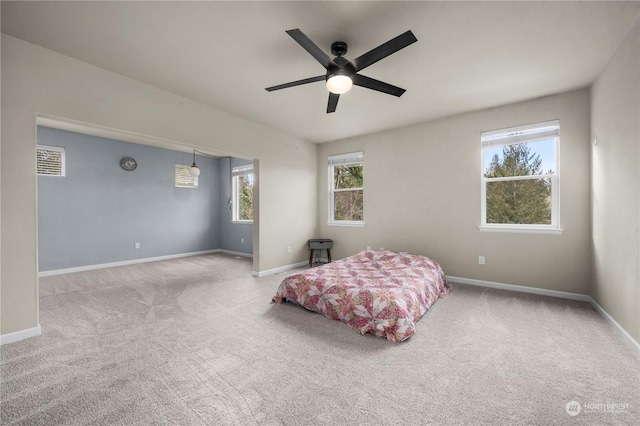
(342, 73)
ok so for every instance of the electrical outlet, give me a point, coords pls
(480, 260)
(381, 248)
(368, 248)
(241, 240)
(288, 249)
(137, 245)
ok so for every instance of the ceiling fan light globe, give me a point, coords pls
(339, 84)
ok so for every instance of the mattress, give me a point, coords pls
(383, 293)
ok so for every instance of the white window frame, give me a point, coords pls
(343, 160)
(236, 172)
(187, 168)
(516, 135)
(63, 165)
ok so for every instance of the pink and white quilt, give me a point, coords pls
(379, 292)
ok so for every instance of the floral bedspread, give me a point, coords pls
(379, 292)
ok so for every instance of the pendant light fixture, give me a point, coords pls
(194, 170)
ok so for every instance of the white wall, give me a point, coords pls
(40, 81)
(422, 194)
(615, 181)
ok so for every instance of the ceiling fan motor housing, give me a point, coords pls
(343, 67)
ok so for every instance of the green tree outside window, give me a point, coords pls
(518, 201)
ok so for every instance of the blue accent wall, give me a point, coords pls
(98, 211)
(232, 234)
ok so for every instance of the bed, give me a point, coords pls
(383, 293)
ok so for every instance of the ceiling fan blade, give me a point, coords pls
(333, 102)
(296, 83)
(311, 47)
(380, 86)
(384, 50)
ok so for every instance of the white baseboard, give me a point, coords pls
(521, 289)
(20, 335)
(126, 262)
(279, 269)
(617, 327)
(236, 253)
(554, 293)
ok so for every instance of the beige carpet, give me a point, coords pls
(196, 341)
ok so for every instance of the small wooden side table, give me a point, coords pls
(320, 244)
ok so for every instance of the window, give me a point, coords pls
(183, 178)
(50, 160)
(242, 193)
(346, 193)
(520, 179)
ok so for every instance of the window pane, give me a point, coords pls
(525, 159)
(183, 178)
(348, 176)
(348, 205)
(526, 201)
(245, 197)
(49, 162)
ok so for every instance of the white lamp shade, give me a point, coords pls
(339, 84)
(194, 170)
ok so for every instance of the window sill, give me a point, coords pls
(520, 229)
(346, 223)
(243, 222)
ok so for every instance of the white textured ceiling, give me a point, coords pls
(469, 55)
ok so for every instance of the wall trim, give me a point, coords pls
(617, 327)
(236, 253)
(20, 335)
(125, 262)
(521, 289)
(279, 269)
(554, 293)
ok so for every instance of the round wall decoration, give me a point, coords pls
(128, 163)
